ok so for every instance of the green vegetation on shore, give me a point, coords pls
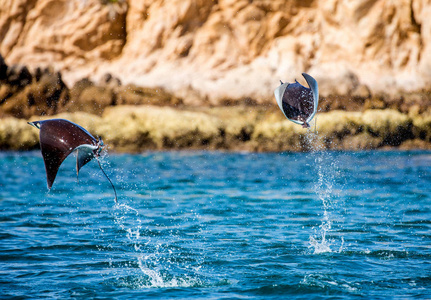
(128, 128)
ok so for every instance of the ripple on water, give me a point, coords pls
(218, 225)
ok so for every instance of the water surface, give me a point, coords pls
(214, 225)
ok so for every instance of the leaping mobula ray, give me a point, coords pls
(298, 103)
(58, 138)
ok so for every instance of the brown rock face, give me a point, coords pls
(24, 94)
(61, 32)
(205, 50)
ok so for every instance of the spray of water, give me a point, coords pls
(326, 170)
(152, 260)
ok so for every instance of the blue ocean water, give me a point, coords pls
(214, 225)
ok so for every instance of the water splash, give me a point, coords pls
(151, 256)
(325, 282)
(327, 171)
(157, 278)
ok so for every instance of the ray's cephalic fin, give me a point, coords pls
(59, 138)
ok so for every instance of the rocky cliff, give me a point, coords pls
(207, 51)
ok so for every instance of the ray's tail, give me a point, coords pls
(113, 187)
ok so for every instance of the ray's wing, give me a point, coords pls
(84, 154)
(312, 83)
(58, 138)
(294, 101)
(278, 93)
(297, 102)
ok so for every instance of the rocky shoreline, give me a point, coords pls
(130, 118)
(134, 129)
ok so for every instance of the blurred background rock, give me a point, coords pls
(61, 56)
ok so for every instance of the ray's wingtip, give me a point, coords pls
(35, 124)
(308, 77)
